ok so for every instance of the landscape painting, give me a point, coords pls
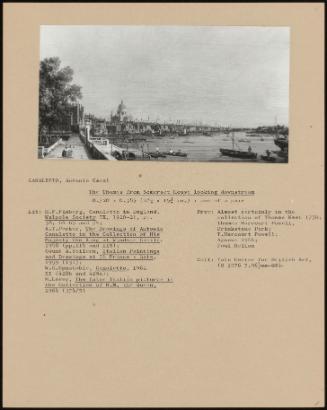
(164, 93)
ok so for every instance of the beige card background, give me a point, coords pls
(214, 338)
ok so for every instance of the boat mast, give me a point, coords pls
(276, 127)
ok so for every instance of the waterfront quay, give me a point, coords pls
(79, 146)
(122, 138)
(78, 149)
(197, 147)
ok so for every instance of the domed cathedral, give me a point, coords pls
(120, 122)
(121, 114)
(121, 110)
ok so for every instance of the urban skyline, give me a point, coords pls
(230, 76)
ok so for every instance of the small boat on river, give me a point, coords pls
(281, 142)
(157, 154)
(178, 153)
(268, 157)
(238, 153)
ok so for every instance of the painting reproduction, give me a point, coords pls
(164, 93)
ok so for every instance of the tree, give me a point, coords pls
(57, 93)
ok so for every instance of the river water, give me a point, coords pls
(204, 148)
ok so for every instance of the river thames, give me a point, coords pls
(202, 148)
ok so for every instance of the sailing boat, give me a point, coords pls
(237, 153)
(280, 140)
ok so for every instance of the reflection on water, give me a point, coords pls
(203, 148)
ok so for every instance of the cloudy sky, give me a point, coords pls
(235, 76)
